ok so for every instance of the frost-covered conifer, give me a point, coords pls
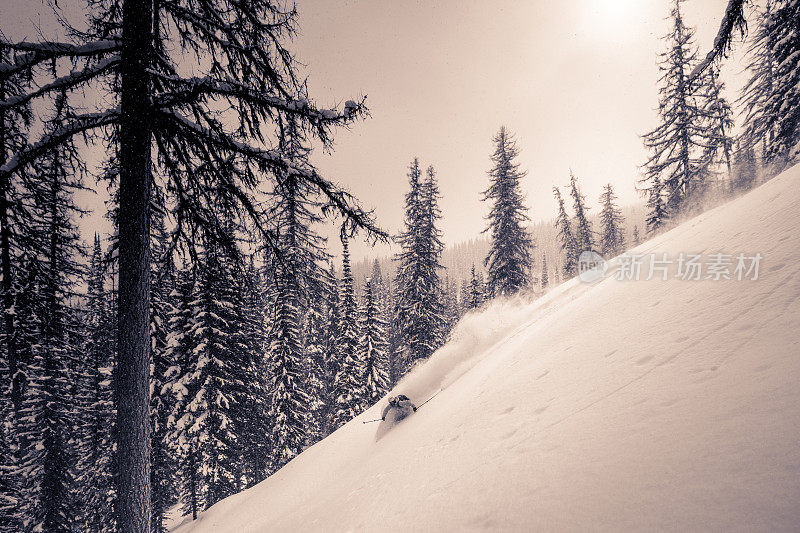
(509, 260)
(584, 237)
(98, 416)
(348, 388)
(567, 238)
(772, 94)
(372, 346)
(419, 310)
(680, 155)
(656, 207)
(612, 230)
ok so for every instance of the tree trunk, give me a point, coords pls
(133, 367)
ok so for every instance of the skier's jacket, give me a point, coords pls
(399, 406)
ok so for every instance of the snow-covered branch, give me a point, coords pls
(732, 21)
(233, 89)
(337, 199)
(35, 53)
(75, 126)
(65, 82)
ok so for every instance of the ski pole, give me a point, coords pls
(429, 399)
(371, 421)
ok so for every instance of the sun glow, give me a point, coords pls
(609, 20)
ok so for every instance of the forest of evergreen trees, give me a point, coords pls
(212, 337)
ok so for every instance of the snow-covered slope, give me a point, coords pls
(668, 405)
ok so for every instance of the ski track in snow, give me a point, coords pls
(623, 405)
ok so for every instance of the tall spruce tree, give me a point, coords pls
(99, 413)
(180, 348)
(333, 356)
(509, 260)
(721, 124)
(162, 469)
(771, 96)
(656, 206)
(417, 283)
(53, 402)
(584, 237)
(16, 217)
(298, 278)
(759, 90)
(315, 350)
(210, 389)
(348, 388)
(679, 157)
(612, 230)
(477, 291)
(254, 421)
(568, 244)
(372, 347)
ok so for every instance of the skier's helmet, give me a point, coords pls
(403, 397)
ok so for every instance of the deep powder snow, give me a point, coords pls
(668, 405)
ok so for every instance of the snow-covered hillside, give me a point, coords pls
(622, 405)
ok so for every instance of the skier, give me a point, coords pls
(399, 407)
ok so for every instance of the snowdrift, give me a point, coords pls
(621, 405)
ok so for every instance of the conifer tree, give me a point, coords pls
(760, 87)
(348, 388)
(15, 219)
(509, 261)
(162, 465)
(99, 409)
(612, 230)
(315, 350)
(254, 429)
(636, 238)
(53, 405)
(584, 237)
(180, 348)
(477, 295)
(372, 347)
(720, 116)
(297, 278)
(656, 207)
(464, 297)
(771, 96)
(567, 238)
(419, 311)
(210, 389)
(289, 405)
(333, 356)
(745, 172)
(679, 157)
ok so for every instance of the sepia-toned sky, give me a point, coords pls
(574, 80)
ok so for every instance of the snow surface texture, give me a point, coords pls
(623, 405)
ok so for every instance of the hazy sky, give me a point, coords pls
(574, 80)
